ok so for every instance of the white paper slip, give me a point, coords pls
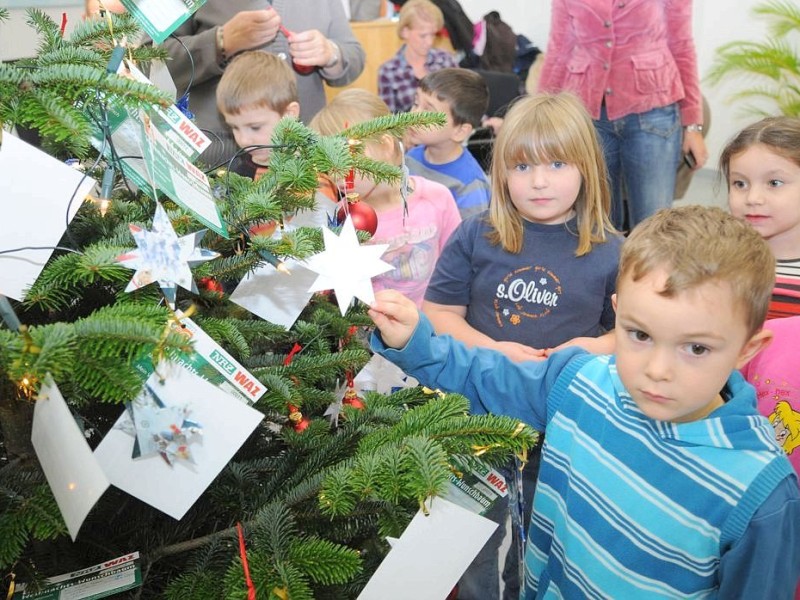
(274, 296)
(75, 478)
(431, 555)
(40, 197)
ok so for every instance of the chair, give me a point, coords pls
(504, 88)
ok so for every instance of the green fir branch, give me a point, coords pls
(48, 30)
(395, 125)
(324, 562)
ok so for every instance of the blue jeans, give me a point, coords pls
(642, 154)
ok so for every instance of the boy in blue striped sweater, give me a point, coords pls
(659, 478)
(439, 153)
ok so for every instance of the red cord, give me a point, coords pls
(295, 349)
(251, 589)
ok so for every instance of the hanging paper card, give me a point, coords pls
(92, 583)
(173, 174)
(187, 137)
(273, 296)
(40, 197)
(230, 375)
(174, 488)
(159, 18)
(475, 486)
(431, 555)
(158, 147)
(76, 480)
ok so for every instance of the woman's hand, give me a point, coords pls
(694, 143)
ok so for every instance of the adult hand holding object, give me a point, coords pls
(92, 8)
(249, 29)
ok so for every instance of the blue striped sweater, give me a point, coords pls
(625, 506)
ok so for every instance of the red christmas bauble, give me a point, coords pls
(301, 425)
(364, 216)
(296, 418)
(303, 69)
(265, 228)
(351, 399)
(211, 285)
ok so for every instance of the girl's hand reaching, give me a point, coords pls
(519, 352)
(395, 316)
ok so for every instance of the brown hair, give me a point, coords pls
(464, 91)
(539, 129)
(780, 134)
(256, 79)
(698, 244)
(415, 11)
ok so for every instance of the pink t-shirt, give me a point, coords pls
(775, 373)
(416, 241)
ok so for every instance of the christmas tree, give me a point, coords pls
(314, 495)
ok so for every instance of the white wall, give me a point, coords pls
(17, 40)
(715, 22)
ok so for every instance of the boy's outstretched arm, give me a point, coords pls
(395, 316)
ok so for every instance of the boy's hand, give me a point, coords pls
(395, 316)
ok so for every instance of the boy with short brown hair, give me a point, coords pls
(659, 478)
(256, 91)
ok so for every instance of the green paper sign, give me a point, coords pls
(99, 581)
(159, 18)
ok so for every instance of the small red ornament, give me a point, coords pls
(363, 215)
(296, 418)
(351, 398)
(301, 69)
(266, 228)
(211, 285)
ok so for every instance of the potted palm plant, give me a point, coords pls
(771, 68)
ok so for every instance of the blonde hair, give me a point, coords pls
(540, 129)
(698, 245)
(348, 108)
(415, 11)
(256, 79)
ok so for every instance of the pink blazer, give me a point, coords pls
(639, 54)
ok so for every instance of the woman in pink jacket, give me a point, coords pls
(633, 63)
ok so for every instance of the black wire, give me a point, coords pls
(191, 65)
(72, 239)
(229, 161)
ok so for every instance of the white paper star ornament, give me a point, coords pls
(347, 267)
(164, 257)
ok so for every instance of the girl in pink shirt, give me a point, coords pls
(415, 238)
